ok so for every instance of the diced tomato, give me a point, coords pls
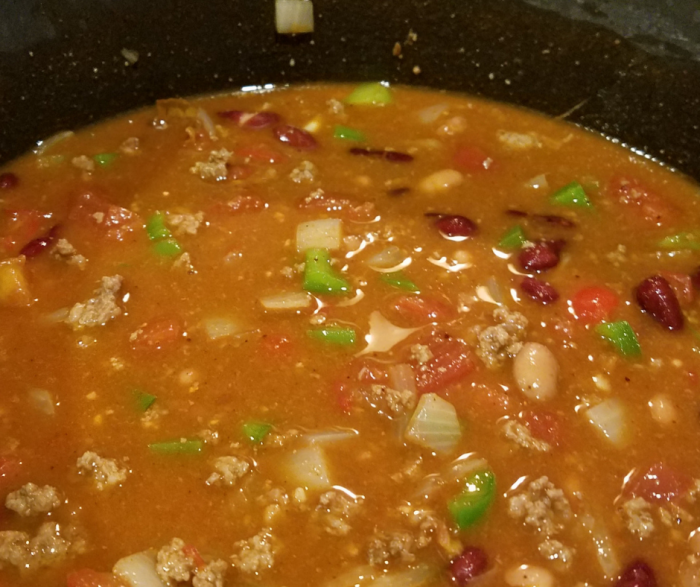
(659, 483)
(682, 285)
(9, 469)
(490, 402)
(594, 304)
(544, 425)
(649, 205)
(470, 158)
(276, 345)
(342, 391)
(157, 333)
(191, 552)
(90, 578)
(261, 153)
(239, 172)
(452, 361)
(19, 227)
(113, 221)
(423, 309)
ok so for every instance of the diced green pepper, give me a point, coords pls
(334, 335)
(621, 335)
(399, 280)
(156, 229)
(256, 431)
(474, 500)
(188, 446)
(681, 241)
(349, 134)
(319, 276)
(143, 400)
(513, 239)
(370, 93)
(105, 159)
(168, 247)
(572, 194)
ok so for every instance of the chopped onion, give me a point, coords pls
(329, 436)
(490, 292)
(355, 577)
(320, 234)
(287, 301)
(138, 570)
(294, 16)
(609, 417)
(207, 123)
(307, 467)
(57, 316)
(383, 335)
(431, 113)
(416, 577)
(537, 182)
(402, 378)
(605, 553)
(42, 400)
(221, 326)
(314, 125)
(46, 144)
(434, 424)
(389, 260)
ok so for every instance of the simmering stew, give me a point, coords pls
(347, 336)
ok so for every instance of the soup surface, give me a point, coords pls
(338, 336)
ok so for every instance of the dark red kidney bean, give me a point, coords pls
(393, 156)
(398, 191)
(695, 278)
(295, 137)
(554, 219)
(251, 120)
(656, 297)
(637, 574)
(540, 291)
(36, 246)
(8, 180)
(540, 256)
(516, 213)
(471, 563)
(456, 226)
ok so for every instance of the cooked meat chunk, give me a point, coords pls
(49, 546)
(172, 564)
(335, 106)
(31, 500)
(502, 340)
(541, 506)
(185, 223)
(105, 472)
(391, 401)
(83, 162)
(228, 470)
(210, 575)
(520, 434)
(335, 509)
(430, 526)
(306, 172)
(255, 554)
(130, 146)
(637, 516)
(215, 167)
(64, 251)
(421, 353)
(99, 309)
(387, 546)
(555, 551)
(518, 141)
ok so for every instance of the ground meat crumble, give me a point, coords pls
(391, 401)
(99, 309)
(228, 470)
(306, 172)
(335, 508)
(105, 472)
(64, 251)
(502, 340)
(520, 434)
(31, 500)
(215, 167)
(185, 224)
(51, 544)
(255, 554)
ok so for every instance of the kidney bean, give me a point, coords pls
(251, 120)
(516, 213)
(393, 156)
(540, 291)
(656, 297)
(36, 246)
(295, 137)
(452, 226)
(540, 256)
(8, 180)
(470, 563)
(637, 574)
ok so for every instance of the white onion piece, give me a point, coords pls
(294, 16)
(207, 123)
(314, 125)
(138, 570)
(610, 419)
(286, 301)
(537, 182)
(355, 577)
(431, 113)
(416, 577)
(605, 553)
(43, 401)
(383, 335)
(434, 424)
(307, 467)
(402, 377)
(57, 316)
(320, 234)
(221, 326)
(389, 260)
(330, 436)
(46, 144)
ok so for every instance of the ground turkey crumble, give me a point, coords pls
(637, 516)
(31, 500)
(520, 434)
(228, 470)
(502, 340)
(335, 508)
(64, 251)
(256, 553)
(184, 224)
(105, 472)
(306, 172)
(99, 309)
(50, 545)
(173, 564)
(518, 141)
(391, 401)
(215, 167)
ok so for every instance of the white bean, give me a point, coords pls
(529, 576)
(536, 370)
(441, 181)
(663, 410)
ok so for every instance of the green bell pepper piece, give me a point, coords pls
(513, 239)
(349, 134)
(333, 335)
(105, 159)
(682, 241)
(399, 280)
(256, 431)
(622, 337)
(168, 247)
(156, 229)
(572, 194)
(144, 400)
(370, 93)
(472, 503)
(319, 276)
(177, 447)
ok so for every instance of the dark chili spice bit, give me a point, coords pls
(516, 213)
(470, 563)
(8, 180)
(393, 156)
(295, 137)
(656, 297)
(540, 256)
(637, 574)
(36, 246)
(554, 219)
(396, 192)
(538, 290)
(453, 226)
